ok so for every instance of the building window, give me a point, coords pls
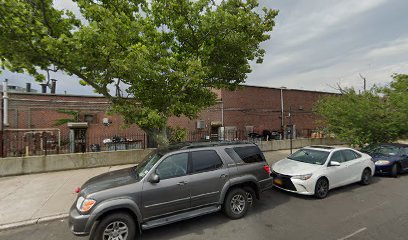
(200, 124)
(90, 118)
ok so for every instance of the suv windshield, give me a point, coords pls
(310, 156)
(147, 164)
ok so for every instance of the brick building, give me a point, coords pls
(31, 116)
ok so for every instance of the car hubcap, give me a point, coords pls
(238, 204)
(116, 231)
(366, 177)
(322, 188)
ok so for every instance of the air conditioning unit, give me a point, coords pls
(200, 124)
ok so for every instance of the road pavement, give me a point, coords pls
(377, 211)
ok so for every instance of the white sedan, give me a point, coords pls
(315, 170)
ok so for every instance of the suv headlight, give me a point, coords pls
(303, 177)
(382, 162)
(84, 204)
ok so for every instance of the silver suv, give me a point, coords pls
(173, 184)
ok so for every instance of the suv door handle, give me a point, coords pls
(223, 176)
(182, 183)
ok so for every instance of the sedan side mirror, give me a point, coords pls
(334, 164)
(154, 178)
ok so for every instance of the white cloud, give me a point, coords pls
(310, 19)
(397, 47)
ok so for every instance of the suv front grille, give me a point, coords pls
(286, 183)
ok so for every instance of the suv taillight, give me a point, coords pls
(267, 169)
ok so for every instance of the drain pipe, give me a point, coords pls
(5, 103)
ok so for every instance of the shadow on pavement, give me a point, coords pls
(197, 226)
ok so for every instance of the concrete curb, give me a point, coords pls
(9, 226)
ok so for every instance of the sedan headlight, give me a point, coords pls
(382, 162)
(303, 177)
(84, 204)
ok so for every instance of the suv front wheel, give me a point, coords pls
(116, 226)
(236, 203)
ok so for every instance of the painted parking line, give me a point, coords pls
(353, 234)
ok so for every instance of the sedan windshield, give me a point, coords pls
(310, 156)
(386, 150)
(147, 164)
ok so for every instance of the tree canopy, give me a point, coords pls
(163, 56)
(375, 116)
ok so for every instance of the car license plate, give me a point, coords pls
(277, 181)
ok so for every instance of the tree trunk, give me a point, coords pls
(159, 135)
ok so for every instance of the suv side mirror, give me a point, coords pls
(154, 178)
(334, 164)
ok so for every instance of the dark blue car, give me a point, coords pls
(391, 158)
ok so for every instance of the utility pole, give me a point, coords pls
(291, 128)
(365, 82)
(282, 116)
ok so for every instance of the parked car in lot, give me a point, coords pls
(172, 184)
(389, 158)
(315, 170)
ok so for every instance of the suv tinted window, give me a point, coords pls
(203, 161)
(249, 154)
(350, 155)
(173, 166)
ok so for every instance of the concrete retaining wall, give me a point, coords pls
(61, 162)
(49, 163)
(296, 143)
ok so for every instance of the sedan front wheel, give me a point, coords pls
(322, 188)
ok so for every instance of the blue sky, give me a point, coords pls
(315, 45)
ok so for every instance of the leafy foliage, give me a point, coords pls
(375, 116)
(62, 121)
(177, 134)
(163, 56)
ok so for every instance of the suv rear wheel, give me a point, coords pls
(236, 203)
(116, 226)
(251, 196)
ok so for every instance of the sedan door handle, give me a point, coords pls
(182, 183)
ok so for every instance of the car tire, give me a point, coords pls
(251, 196)
(394, 170)
(321, 188)
(113, 225)
(366, 177)
(236, 203)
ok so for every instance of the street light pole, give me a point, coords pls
(282, 116)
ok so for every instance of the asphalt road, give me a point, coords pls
(378, 211)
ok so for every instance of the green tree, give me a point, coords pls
(73, 113)
(163, 56)
(397, 97)
(375, 116)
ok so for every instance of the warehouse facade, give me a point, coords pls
(32, 116)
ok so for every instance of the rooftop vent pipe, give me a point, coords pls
(53, 86)
(28, 87)
(43, 88)
(5, 103)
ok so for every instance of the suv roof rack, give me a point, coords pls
(190, 145)
(213, 144)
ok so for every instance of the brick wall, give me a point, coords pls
(254, 108)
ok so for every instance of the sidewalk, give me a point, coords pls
(30, 199)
